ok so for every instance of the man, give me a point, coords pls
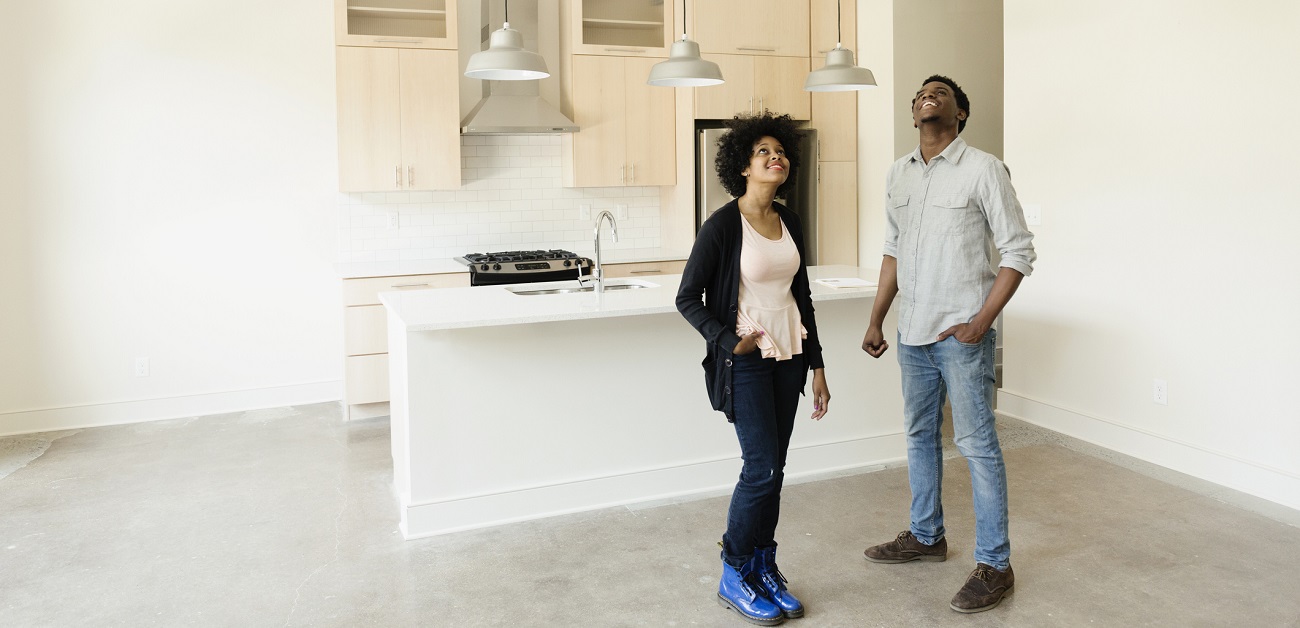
(950, 207)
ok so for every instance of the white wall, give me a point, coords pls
(167, 180)
(875, 51)
(1158, 138)
(959, 39)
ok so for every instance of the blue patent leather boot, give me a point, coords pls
(773, 582)
(737, 594)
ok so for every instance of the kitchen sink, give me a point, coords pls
(610, 285)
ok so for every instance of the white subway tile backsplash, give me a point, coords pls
(510, 197)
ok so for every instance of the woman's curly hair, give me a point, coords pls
(737, 145)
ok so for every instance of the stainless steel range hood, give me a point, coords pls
(518, 107)
(515, 114)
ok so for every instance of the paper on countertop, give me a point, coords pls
(846, 282)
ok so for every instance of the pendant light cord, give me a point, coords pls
(683, 20)
(839, 24)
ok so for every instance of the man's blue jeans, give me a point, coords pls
(765, 397)
(965, 374)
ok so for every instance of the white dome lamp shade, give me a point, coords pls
(505, 59)
(840, 74)
(685, 67)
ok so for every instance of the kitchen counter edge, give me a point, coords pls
(488, 306)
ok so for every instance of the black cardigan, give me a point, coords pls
(713, 272)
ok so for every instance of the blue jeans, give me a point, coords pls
(965, 373)
(764, 395)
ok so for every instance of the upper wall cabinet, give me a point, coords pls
(627, 135)
(755, 84)
(399, 119)
(625, 28)
(761, 27)
(396, 23)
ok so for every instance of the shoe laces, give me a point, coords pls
(983, 573)
(774, 578)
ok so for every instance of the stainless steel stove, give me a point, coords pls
(502, 267)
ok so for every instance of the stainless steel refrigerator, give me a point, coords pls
(802, 198)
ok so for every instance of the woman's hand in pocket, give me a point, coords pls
(748, 343)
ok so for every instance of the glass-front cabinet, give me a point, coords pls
(396, 23)
(628, 28)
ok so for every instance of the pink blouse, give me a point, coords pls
(767, 268)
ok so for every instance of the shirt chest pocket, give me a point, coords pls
(898, 207)
(952, 214)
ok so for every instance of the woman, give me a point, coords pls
(745, 289)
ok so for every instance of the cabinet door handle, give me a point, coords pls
(647, 271)
(633, 181)
(751, 105)
(756, 48)
(625, 49)
(760, 105)
(382, 40)
(397, 176)
(622, 174)
(410, 285)
(410, 175)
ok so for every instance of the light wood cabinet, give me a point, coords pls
(755, 27)
(641, 269)
(755, 84)
(365, 337)
(837, 212)
(627, 135)
(395, 23)
(398, 117)
(618, 27)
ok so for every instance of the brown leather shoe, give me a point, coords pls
(984, 589)
(907, 548)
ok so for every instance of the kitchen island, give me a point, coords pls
(507, 407)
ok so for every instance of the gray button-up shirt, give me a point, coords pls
(951, 224)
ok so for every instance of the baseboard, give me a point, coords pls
(667, 483)
(1275, 485)
(141, 410)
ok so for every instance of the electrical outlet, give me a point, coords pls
(584, 212)
(394, 220)
(620, 211)
(142, 367)
(1160, 392)
(1033, 214)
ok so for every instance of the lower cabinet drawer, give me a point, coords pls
(367, 379)
(365, 291)
(670, 267)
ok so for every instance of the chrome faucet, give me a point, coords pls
(598, 274)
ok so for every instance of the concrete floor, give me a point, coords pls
(287, 517)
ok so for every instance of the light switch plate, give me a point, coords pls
(620, 211)
(1033, 214)
(584, 212)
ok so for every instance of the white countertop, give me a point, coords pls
(357, 270)
(486, 306)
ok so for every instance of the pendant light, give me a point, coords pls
(685, 67)
(839, 74)
(505, 59)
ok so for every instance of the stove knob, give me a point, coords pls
(496, 267)
(483, 267)
(567, 263)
